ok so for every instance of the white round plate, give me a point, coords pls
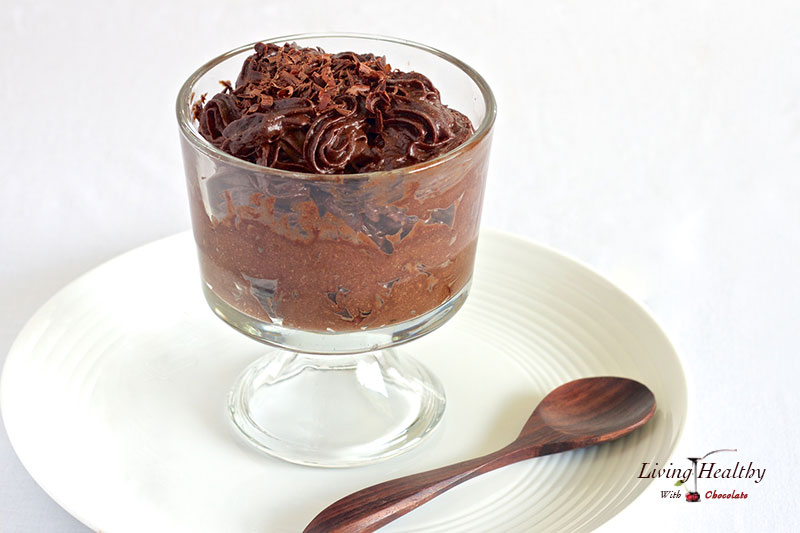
(114, 398)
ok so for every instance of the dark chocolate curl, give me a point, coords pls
(217, 114)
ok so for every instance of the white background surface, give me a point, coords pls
(657, 141)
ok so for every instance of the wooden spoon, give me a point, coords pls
(577, 414)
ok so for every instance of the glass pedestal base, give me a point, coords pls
(336, 410)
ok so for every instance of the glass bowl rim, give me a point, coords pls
(183, 108)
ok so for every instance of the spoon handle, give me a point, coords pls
(376, 506)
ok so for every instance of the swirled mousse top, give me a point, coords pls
(305, 110)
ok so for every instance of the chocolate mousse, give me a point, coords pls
(304, 110)
(335, 244)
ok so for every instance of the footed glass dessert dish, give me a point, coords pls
(335, 204)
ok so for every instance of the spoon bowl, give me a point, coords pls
(594, 408)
